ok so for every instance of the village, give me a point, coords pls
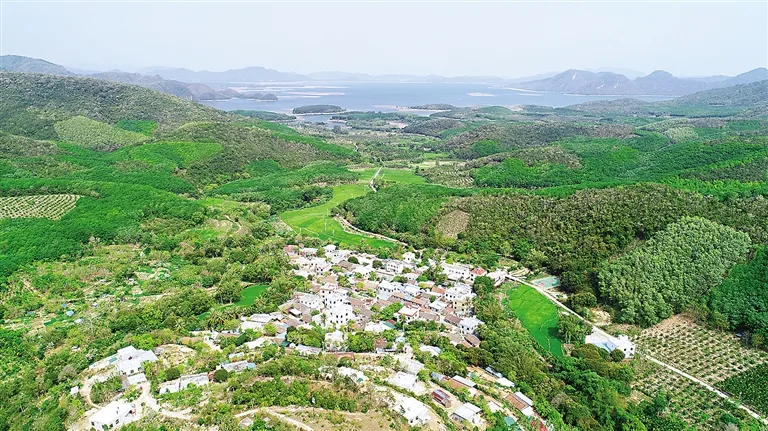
(355, 293)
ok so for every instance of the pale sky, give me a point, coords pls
(450, 39)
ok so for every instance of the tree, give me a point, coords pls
(571, 329)
(677, 266)
(172, 373)
(617, 355)
(220, 375)
(229, 291)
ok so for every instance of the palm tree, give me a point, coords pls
(216, 319)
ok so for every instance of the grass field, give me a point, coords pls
(405, 176)
(250, 293)
(538, 315)
(319, 222)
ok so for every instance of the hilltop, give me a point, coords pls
(30, 104)
(18, 63)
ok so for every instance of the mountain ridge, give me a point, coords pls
(658, 82)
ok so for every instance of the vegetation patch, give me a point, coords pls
(318, 221)
(87, 133)
(538, 314)
(678, 266)
(453, 223)
(37, 206)
(749, 387)
(145, 127)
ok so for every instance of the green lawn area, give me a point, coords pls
(319, 222)
(538, 314)
(250, 293)
(405, 176)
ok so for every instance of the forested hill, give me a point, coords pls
(30, 104)
(18, 63)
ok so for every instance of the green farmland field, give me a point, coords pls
(538, 315)
(319, 222)
(404, 176)
(250, 293)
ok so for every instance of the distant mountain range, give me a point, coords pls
(185, 90)
(191, 84)
(657, 83)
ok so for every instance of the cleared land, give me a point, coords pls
(37, 206)
(538, 315)
(318, 221)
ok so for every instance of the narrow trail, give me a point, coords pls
(677, 371)
(373, 178)
(282, 417)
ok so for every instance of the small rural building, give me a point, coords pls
(441, 397)
(468, 413)
(113, 415)
(415, 412)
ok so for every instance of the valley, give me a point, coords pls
(169, 265)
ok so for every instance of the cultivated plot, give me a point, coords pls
(37, 206)
(538, 314)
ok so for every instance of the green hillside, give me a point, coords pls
(30, 104)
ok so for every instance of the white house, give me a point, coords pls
(387, 288)
(357, 376)
(468, 325)
(403, 380)
(319, 265)
(460, 298)
(394, 266)
(113, 415)
(171, 386)
(456, 272)
(339, 315)
(409, 257)
(334, 299)
(468, 413)
(432, 350)
(411, 366)
(438, 306)
(610, 343)
(415, 412)
(311, 301)
(497, 277)
(408, 314)
(200, 379)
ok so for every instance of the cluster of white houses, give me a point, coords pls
(376, 284)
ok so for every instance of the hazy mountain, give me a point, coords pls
(582, 82)
(18, 63)
(248, 74)
(753, 75)
(658, 83)
(664, 83)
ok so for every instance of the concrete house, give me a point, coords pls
(468, 413)
(415, 412)
(456, 272)
(113, 415)
(469, 325)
